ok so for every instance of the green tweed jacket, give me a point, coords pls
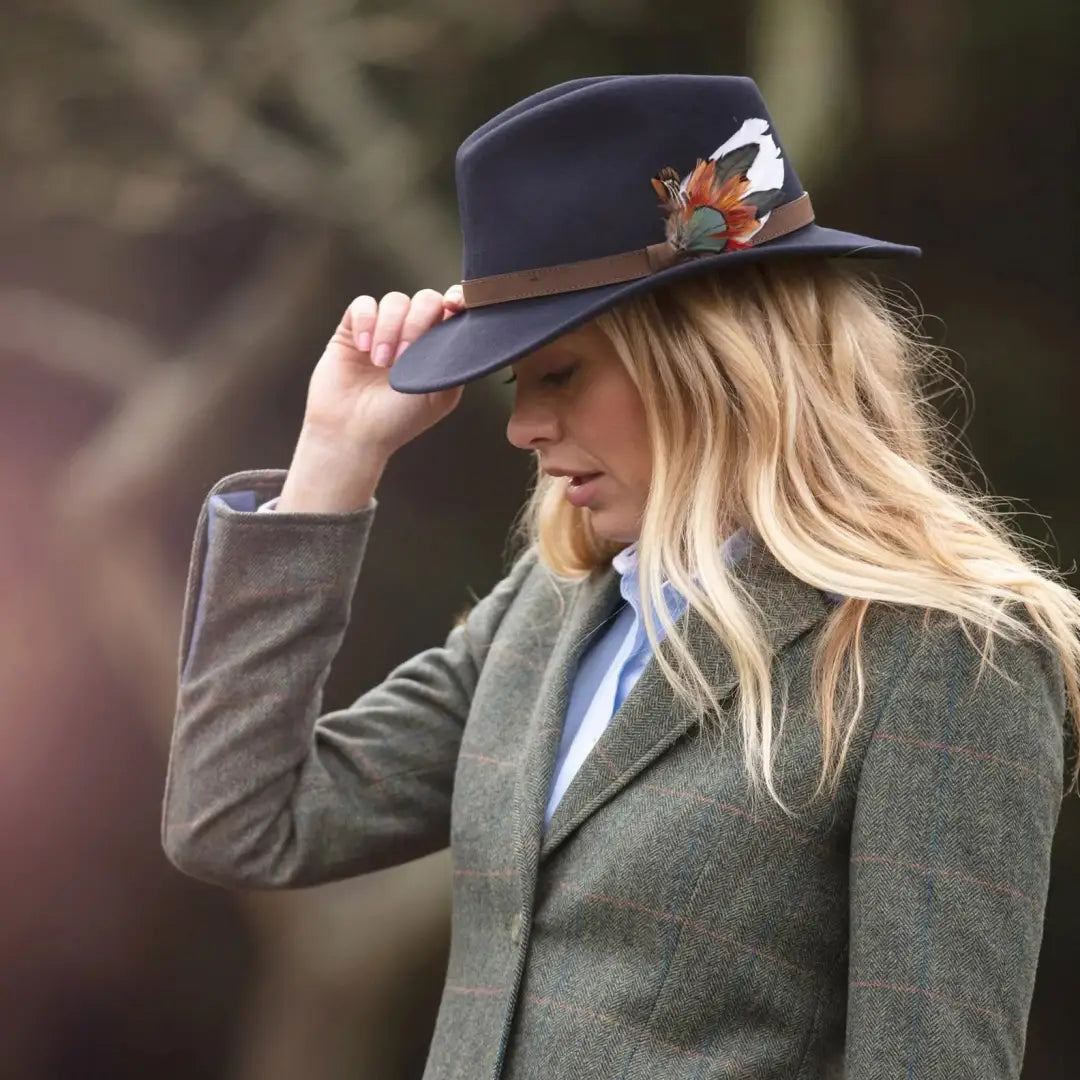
(666, 924)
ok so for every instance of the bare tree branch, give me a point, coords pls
(171, 69)
(397, 217)
(175, 410)
(58, 334)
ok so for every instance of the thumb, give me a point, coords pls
(453, 301)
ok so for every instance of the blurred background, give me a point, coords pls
(190, 194)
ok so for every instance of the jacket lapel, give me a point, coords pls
(591, 603)
(650, 719)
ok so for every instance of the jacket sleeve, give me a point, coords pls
(262, 791)
(958, 799)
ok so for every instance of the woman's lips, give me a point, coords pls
(581, 489)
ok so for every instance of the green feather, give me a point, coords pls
(735, 163)
(704, 221)
(764, 200)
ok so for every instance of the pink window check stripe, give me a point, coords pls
(810, 841)
(592, 1014)
(934, 995)
(981, 755)
(657, 913)
(776, 826)
(476, 991)
(485, 759)
(668, 916)
(606, 1018)
(290, 593)
(945, 871)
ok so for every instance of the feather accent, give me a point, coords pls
(666, 184)
(764, 200)
(735, 162)
(713, 209)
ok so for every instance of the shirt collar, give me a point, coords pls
(625, 563)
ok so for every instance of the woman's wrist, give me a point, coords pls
(329, 478)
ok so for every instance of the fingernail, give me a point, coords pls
(382, 354)
(363, 342)
(401, 348)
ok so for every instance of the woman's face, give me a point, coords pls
(577, 407)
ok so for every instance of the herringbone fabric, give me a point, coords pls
(666, 924)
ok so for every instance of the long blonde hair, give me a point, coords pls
(792, 398)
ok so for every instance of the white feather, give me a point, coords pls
(767, 172)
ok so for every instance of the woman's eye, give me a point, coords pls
(552, 378)
(557, 378)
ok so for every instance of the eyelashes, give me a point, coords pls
(557, 378)
(554, 378)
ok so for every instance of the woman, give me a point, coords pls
(751, 764)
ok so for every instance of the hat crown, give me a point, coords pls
(565, 175)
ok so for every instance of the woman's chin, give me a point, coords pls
(607, 526)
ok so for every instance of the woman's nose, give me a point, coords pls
(531, 423)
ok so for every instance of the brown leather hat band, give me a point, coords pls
(611, 269)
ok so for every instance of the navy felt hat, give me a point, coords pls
(588, 192)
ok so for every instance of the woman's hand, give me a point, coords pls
(350, 399)
(354, 420)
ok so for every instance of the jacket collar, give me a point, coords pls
(650, 719)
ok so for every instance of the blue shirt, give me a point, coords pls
(611, 666)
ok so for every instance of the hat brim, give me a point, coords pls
(481, 340)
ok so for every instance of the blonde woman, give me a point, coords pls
(751, 764)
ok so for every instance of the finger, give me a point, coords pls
(358, 322)
(424, 312)
(453, 301)
(393, 308)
